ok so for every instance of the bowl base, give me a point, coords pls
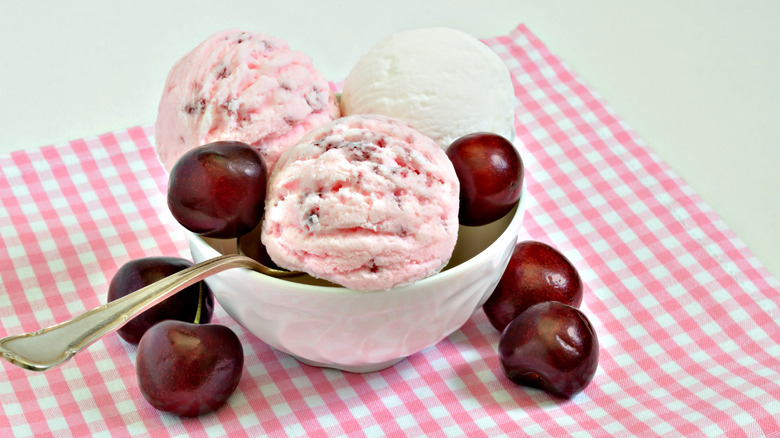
(358, 369)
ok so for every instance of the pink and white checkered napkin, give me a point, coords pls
(686, 316)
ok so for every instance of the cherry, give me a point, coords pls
(551, 346)
(536, 273)
(188, 369)
(490, 171)
(195, 303)
(218, 189)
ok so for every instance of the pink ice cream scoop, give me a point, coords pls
(366, 202)
(241, 86)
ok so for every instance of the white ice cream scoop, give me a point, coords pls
(443, 82)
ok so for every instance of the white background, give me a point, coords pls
(698, 80)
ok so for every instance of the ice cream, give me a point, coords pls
(443, 82)
(366, 202)
(241, 86)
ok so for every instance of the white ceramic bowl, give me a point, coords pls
(328, 326)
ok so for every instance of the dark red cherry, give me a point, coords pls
(188, 369)
(536, 273)
(491, 176)
(195, 303)
(218, 189)
(551, 346)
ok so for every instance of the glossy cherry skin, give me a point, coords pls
(550, 346)
(191, 303)
(218, 189)
(188, 369)
(490, 172)
(536, 273)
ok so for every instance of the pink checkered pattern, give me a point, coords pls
(686, 316)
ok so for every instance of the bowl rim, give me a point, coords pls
(511, 232)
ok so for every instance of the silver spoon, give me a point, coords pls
(52, 346)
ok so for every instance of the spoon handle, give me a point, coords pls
(52, 346)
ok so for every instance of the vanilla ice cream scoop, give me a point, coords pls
(366, 202)
(241, 86)
(443, 82)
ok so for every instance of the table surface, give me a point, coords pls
(696, 80)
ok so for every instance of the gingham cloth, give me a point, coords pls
(685, 314)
